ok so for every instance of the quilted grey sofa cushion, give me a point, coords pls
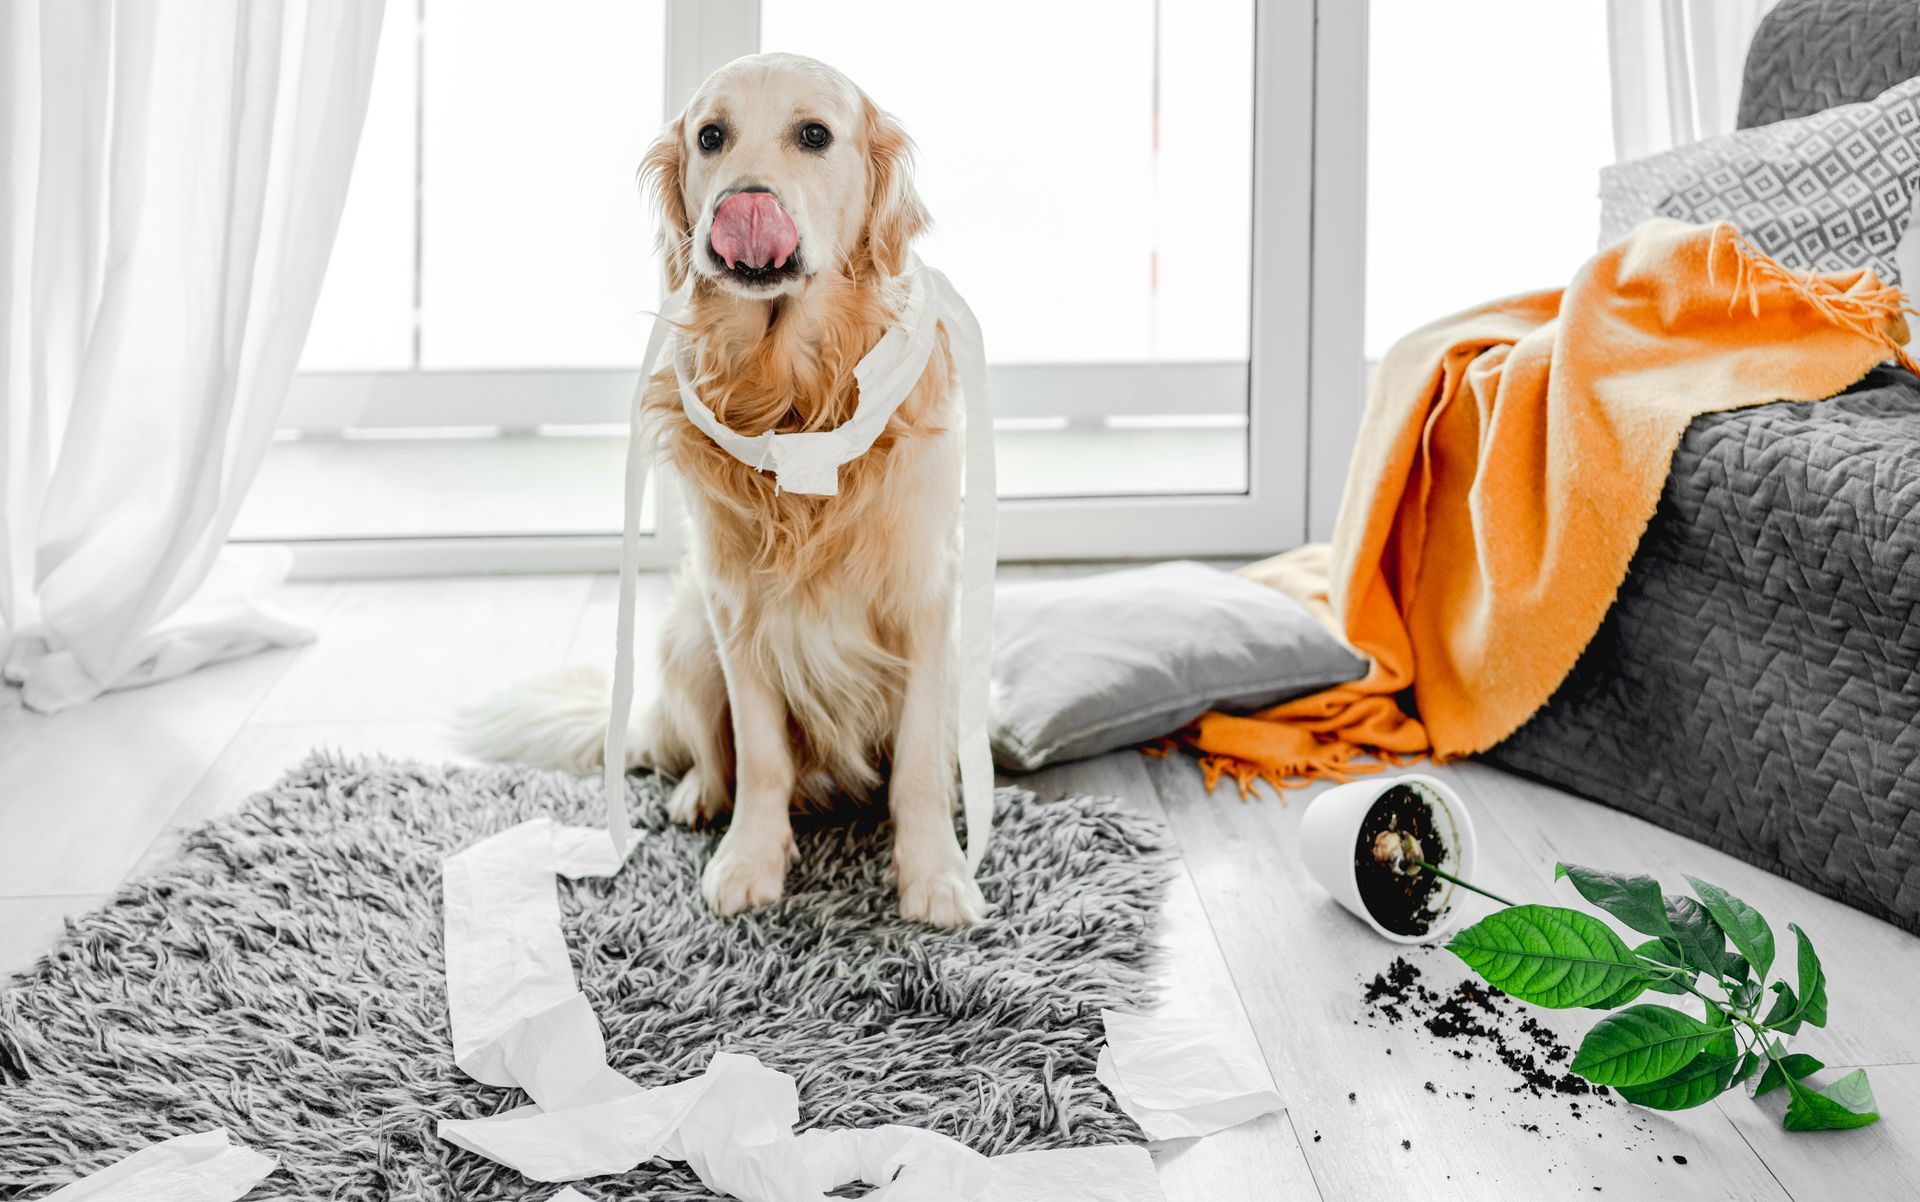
(1810, 55)
(1756, 685)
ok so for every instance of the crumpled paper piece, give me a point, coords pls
(518, 1018)
(733, 1125)
(511, 998)
(187, 1168)
(1106, 1173)
(1180, 1078)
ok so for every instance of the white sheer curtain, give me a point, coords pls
(1676, 69)
(174, 174)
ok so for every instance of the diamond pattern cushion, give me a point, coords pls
(1756, 685)
(1825, 193)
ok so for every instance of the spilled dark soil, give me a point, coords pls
(1474, 1019)
(1471, 1023)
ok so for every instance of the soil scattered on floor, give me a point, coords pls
(1481, 1018)
(1473, 1020)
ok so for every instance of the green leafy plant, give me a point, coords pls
(1656, 1055)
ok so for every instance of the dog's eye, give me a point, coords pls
(711, 137)
(814, 136)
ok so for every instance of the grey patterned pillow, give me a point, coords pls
(1087, 665)
(1824, 193)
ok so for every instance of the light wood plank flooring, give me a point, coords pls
(91, 797)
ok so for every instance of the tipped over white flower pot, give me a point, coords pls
(1358, 839)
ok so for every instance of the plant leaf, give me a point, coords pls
(1660, 951)
(1746, 926)
(1627, 993)
(1702, 943)
(1842, 1106)
(1744, 995)
(1547, 955)
(1813, 981)
(1705, 1077)
(1781, 1016)
(1633, 899)
(1736, 968)
(1748, 1064)
(1796, 1064)
(1642, 1044)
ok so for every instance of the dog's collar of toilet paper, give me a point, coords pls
(810, 463)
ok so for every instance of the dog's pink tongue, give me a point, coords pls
(750, 229)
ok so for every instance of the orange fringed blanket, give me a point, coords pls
(1509, 460)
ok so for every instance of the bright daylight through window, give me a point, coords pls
(491, 288)
(1474, 192)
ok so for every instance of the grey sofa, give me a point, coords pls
(1756, 685)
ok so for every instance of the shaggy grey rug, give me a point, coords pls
(283, 978)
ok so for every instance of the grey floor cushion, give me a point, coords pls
(1757, 683)
(1090, 664)
(283, 978)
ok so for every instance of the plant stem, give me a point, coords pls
(1448, 876)
(1725, 1008)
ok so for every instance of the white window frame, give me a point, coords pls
(1291, 358)
(1337, 387)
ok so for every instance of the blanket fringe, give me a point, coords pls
(1864, 313)
(1330, 760)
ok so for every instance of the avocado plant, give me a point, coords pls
(1659, 1056)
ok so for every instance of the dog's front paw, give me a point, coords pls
(690, 804)
(941, 893)
(745, 871)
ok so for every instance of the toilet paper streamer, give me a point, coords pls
(205, 1167)
(518, 1018)
(1179, 1078)
(810, 463)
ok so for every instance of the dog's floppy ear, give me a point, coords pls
(895, 215)
(661, 171)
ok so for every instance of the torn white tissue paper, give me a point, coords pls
(510, 986)
(582, 1141)
(912, 1164)
(571, 1194)
(1108, 1173)
(1183, 1077)
(903, 1162)
(738, 1137)
(187, 1168)
(582, 851)
(733, 1125)
(518, 1018)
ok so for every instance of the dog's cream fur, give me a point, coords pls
(808, 654)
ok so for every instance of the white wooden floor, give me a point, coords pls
(86, 798)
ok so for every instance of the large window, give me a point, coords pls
(473, 358)
(1476, 189)
(1095, 208)
(1436, 186)
(492, 220)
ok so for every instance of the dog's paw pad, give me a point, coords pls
(741, 877)
(947, 898)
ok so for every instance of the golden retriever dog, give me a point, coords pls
(809, 654)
